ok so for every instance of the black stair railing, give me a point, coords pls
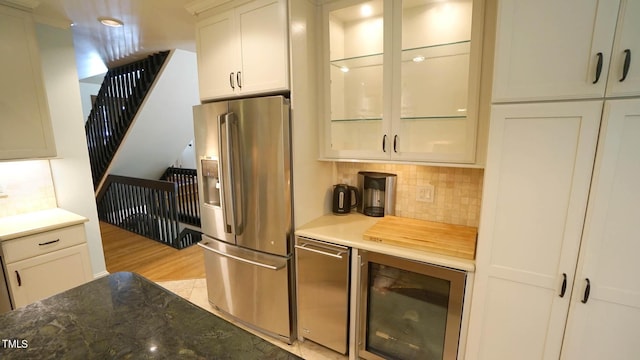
(122, 93)
(188, 205)
(146, 207)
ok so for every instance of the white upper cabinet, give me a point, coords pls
(549, 49)
(624, 75)
(402, 79)
(437, 79)
(25, 122)
(244, 51)
(218, 56)
(357, 83)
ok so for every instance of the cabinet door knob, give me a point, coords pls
(563, 289)
(627, 63)
(231, 81)
(587, 290)
(384, 143)
(19, 279)
(598, 67)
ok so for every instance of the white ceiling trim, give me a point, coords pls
(57, 23)
(21, 4)
(200, 6)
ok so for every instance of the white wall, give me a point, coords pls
(86, 90)
(70, 170)
(312, 179)
(164, 126)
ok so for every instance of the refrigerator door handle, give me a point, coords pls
(235, 172)
(239, 257)
(227, 187)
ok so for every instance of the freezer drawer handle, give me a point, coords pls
(270, 267)
(304, 247)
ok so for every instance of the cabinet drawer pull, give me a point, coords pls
(239, 79)
(19, 279)
(627, 63)
(587, 290)
(563, 289)
(395, 143)
(598, 67)
(231, 81)
(49, 242)
(384, 143)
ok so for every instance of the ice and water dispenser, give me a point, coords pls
(211, 182)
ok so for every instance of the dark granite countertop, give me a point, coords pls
(125, 316)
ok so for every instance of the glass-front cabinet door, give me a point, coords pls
(356, 78)
(402, 80)
(437, 105)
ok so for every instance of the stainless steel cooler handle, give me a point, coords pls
(226, 188)
(239, 258)
(304, 247)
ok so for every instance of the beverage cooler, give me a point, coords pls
(408, 309)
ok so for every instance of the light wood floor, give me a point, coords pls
(127, 251)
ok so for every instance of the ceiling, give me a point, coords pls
(149, 26)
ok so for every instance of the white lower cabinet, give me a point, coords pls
(544, 288)
(42, 265)
(605, 323)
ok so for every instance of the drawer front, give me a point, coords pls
(39, 244)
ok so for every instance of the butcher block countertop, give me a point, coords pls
(349, 230)
(446, 239)
(16, 226)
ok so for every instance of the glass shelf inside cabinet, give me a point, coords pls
(435, 81)
(356, 89)
(348, 64)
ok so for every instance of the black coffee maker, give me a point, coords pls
(378, 193)
(345, 198)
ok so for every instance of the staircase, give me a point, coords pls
(120, 97)
(140, 121)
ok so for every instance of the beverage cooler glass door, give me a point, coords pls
(409, 310)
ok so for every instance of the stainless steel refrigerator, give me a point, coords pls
(243, 150)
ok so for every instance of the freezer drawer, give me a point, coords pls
(251, 286)
(323, 292)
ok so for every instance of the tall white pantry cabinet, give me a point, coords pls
(557, 275)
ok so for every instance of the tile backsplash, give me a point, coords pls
(27, 186)
(457, 190)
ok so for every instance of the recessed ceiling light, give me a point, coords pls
(110, 21)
